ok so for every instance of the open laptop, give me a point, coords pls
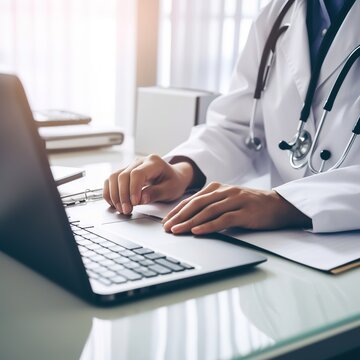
(103, 264)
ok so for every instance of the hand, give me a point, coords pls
(147, 180)
(217, 207)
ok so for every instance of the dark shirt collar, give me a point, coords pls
(319, 15)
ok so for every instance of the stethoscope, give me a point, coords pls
(302, 148)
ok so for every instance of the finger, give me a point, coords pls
(106, 192)
(142, 175)
(176, 209)
(209, 213)
(224, 221)
(211, 187)
(192, 207)
(124, 185)
(114, 191)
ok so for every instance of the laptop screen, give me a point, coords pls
(33, 224)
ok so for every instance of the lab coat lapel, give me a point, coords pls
(295, 49)
(345, 41)
(295, 46)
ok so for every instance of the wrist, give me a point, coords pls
(185, 173)
(190, 173)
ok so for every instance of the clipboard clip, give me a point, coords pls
(82, 198)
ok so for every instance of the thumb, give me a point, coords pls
(159, 192)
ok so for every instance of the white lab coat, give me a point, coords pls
(331, 199)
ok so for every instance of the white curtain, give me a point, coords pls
(72, 54)
(201, 39)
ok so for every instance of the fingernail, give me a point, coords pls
(176, 229)
(164, 220)
(196, 230)
(118, 207)
(126, 208)
(145, 199)
(167, 225)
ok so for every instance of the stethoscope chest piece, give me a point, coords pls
(298, 148)
(303, 146)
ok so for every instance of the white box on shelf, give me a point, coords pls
(165, 116)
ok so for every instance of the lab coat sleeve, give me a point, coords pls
(330, 199)
(218, 147)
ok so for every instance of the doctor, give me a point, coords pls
(217, 155)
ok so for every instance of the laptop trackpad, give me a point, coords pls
(202, 251)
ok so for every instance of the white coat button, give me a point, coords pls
(323, 32)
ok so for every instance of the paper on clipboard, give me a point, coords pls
(330, 252)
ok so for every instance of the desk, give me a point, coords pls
(270, 311)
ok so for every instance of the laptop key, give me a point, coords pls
(98, 258)
(116, 248)
(127, 253)
(103, 251)
(100, 269)
(118, 279)
(187, 266)
(80, 232)
(136, 257)
(92, 275)
(127, 244)
(143, 251)
(116, 267)
(108, 274)
(107, 262)
(146, 262)
(89, 253)
(160, 269)
(92, 265)
(172, 260)
(107, 243)
(154, 256)
(93, 246)
(131, 265)
(112, 255)
(147, 273)
(129, 274)
(84, 242)
(104, 281)
(170, 265)
(122, 260)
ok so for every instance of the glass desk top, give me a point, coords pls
(268, 308)
(252, 315)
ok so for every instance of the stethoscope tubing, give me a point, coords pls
(329, 103)
(301, 147)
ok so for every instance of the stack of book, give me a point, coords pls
(63, 130)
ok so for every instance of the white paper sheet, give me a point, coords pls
(320, 251)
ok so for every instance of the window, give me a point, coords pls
(199, 40)
(71, 54)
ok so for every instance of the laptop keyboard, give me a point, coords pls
(118, 263)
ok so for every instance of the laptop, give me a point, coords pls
(118, 259)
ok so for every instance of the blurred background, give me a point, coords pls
(89, 56)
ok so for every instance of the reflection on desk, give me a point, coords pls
(244, 320)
